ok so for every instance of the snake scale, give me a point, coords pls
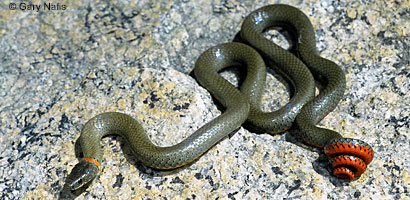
(349, 157)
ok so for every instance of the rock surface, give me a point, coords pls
(59, 68)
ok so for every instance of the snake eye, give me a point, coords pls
(76, 184)
(349, 157)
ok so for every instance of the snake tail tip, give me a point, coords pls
(343, 172)
(349, 157)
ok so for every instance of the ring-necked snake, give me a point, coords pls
(349, 157)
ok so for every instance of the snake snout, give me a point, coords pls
(83, 173)
(349, 157)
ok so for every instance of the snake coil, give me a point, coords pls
(349, 157)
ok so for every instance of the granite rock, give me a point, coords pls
(59, 68)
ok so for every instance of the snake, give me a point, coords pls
(349, 157)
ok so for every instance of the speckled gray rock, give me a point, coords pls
(60, 68)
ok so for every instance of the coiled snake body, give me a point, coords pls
(349, 157)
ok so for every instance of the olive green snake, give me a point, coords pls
(304, 110)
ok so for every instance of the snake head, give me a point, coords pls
(349, 157)
(83, 173)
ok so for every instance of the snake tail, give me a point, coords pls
(349, 157)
